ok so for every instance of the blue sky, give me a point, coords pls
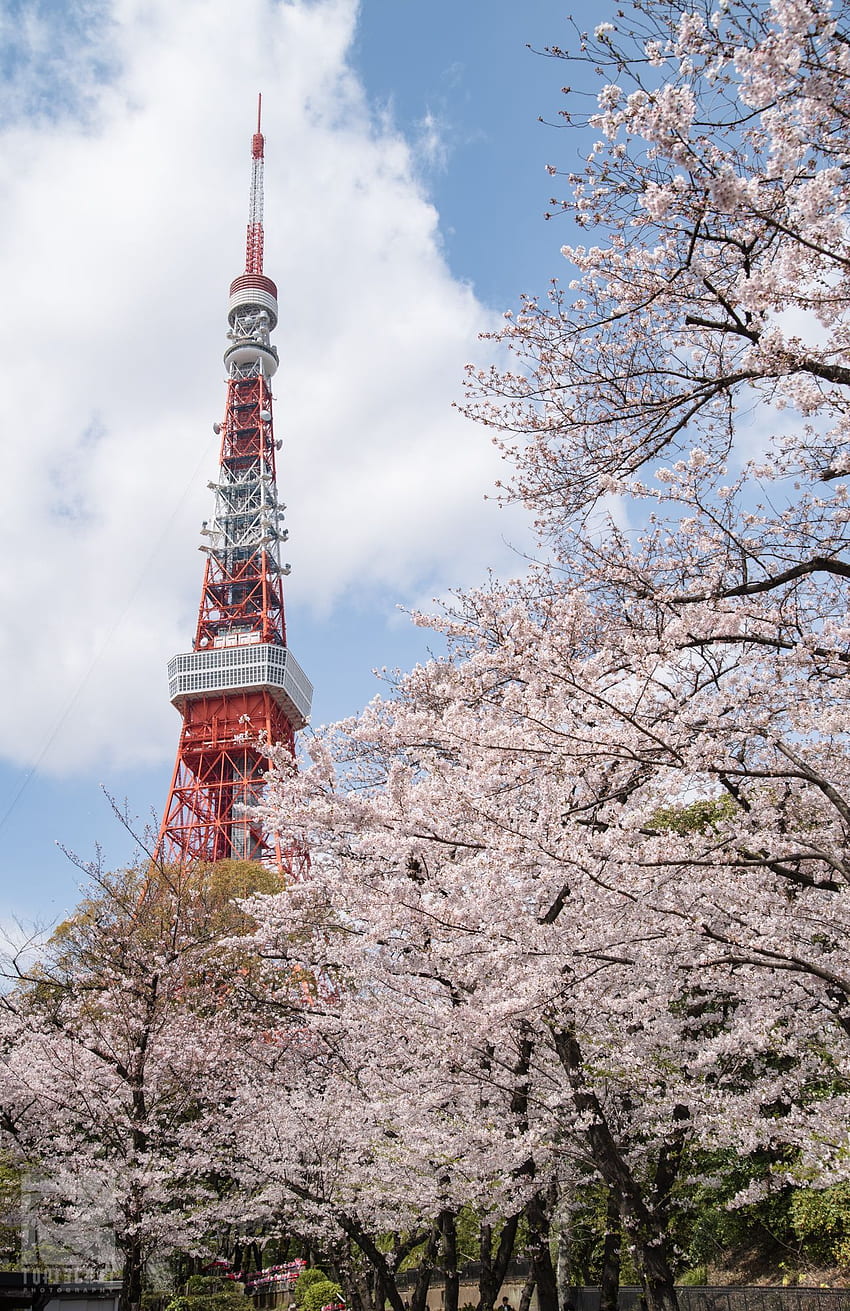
(468, 66)
(406, 186)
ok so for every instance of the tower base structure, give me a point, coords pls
(221, 764)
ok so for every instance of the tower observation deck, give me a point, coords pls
(239, 690)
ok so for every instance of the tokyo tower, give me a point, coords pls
(239, 690)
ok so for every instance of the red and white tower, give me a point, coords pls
(239, 689)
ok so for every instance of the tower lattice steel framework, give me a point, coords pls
(239, 689)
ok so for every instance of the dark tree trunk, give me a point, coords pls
(488, 1290)
(658, 1285)
(386, 1288)
(644, 1225)
(132, 1275)
(610, 1280)
(494, 1266)
(419, 1297)
(130, 1244)
(448, 1228)
(542, 1270)
(564, 1267)
(526, 1294)
(358, 1295)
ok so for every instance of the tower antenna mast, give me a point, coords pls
(254, 247)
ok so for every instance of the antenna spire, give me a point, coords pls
(254, 246)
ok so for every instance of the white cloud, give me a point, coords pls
(125, 202)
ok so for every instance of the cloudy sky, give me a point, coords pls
(405, 186)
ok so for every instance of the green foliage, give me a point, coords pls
(10, 1211)
(706, 1230)
(305, 1281)
(698, 817)
(320, 1294)
(705, 1227)
(787, 1232)
(821, 1220)
(207, 896)
(587, 1226)
(154, 1299)
(210, 1293)
(468, 1227)
(695, 1278)
(201, 1285)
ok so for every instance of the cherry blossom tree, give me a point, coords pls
(707, 328)
(613, 821)
(441, 836)
(351, 1127)
(117, 1038)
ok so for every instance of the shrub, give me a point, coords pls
(306, 1280)
(320, 1294)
